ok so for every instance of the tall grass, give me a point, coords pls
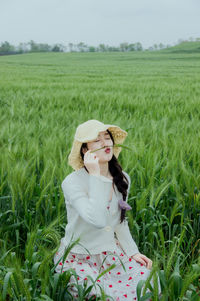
(156, 98)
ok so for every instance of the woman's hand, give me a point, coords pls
(143, 260)
(91, 162)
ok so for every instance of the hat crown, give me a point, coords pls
(89, 130)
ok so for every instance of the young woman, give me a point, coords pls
(96, 196)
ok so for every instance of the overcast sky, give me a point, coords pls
(99, 21)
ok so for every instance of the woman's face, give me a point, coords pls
(103, 140)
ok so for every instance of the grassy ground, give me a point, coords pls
(156, 98)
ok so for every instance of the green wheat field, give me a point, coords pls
(155, 96)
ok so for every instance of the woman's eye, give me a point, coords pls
(105, 138)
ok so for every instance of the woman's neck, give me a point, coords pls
(104, 170)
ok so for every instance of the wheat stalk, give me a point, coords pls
(115, 145)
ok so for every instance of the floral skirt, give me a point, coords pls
(118, 283)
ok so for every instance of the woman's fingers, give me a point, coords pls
(89, 156)
(149, 265)
(139, 259)
(148, 261)
(144, 260)
(91, 161)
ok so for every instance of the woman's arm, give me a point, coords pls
(125, 238)
(92, 206)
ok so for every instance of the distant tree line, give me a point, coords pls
(7, 48)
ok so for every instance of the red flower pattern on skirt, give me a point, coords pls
(117, 283)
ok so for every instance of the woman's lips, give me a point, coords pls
(107, 150)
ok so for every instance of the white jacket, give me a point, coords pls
(86, 198)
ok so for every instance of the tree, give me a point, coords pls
(92, 49)
(41, 47)
(155, 47)
(33, 46)
(82, 47)
(44, 47)
(7, 48)
(113, 48)
(123, 46)
(23, 47)
(55, 48)
(58, 48)
(161, 46)
(131, 47)
(138, 46)
(102, 48)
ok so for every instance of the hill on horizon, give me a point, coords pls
(185, 47)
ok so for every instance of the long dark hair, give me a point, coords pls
(117, 174)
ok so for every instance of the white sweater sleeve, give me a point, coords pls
(92, 206)
(123, 233)
(125, 238)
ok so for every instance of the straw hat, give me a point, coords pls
(89, 131)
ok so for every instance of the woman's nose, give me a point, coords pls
(103, 142)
